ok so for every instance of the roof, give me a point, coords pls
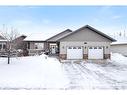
(37, 37)
(120, 41)
(2, 39)
(60, 35)
(93, 29)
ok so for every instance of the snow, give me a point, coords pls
(2, 40)
(120, 40)
(34, 72)
(38, 37)
(43, 72)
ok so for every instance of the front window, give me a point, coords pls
(39, 45)
(2, 46)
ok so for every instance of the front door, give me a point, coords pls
(53, 49)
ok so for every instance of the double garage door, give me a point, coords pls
(76, 52)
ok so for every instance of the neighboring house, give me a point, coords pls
(120, 46)
(3, 43)
(3, 46)
(19, 43)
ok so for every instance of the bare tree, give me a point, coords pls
(9, 35)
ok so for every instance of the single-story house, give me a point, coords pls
(120, 46)
(83, 43)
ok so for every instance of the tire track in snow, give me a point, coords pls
(74, 76)
(106, 78)
(82, 76)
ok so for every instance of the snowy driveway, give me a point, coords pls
(96, 76)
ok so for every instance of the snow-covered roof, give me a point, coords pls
(120, 40)
(38, 37)
(3, 40)
(60, 35)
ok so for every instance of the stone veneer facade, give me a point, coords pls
(85, 56)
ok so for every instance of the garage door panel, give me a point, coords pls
(95, 53)
(74, 52)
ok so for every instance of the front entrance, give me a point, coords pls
(53, 48)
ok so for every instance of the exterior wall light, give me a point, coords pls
(85, 42)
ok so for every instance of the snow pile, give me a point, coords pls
(32, 72)
(118, 58)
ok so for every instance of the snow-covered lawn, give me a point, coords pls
(42, 72)
(36, 72)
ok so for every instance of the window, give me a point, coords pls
(69, 47)
(79, 47)
(39, 45)
(0, 46)
(100, 47)
(90, 47)
(4, 46)
(74, 47)
(95, 47)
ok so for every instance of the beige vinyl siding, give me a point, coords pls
(63, 46)
(122, 49)
(86, 35)
(55, 38)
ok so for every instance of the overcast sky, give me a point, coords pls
(53, 19)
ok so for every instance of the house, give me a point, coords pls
(3, 43)
(83, 43)
(120, 46)
(19, 42)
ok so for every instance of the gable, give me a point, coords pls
(86, 34)
(1, 38)
(60, 35)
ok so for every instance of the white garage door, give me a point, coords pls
(74, 52)
(95, 53)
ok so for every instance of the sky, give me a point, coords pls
(55, 19)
